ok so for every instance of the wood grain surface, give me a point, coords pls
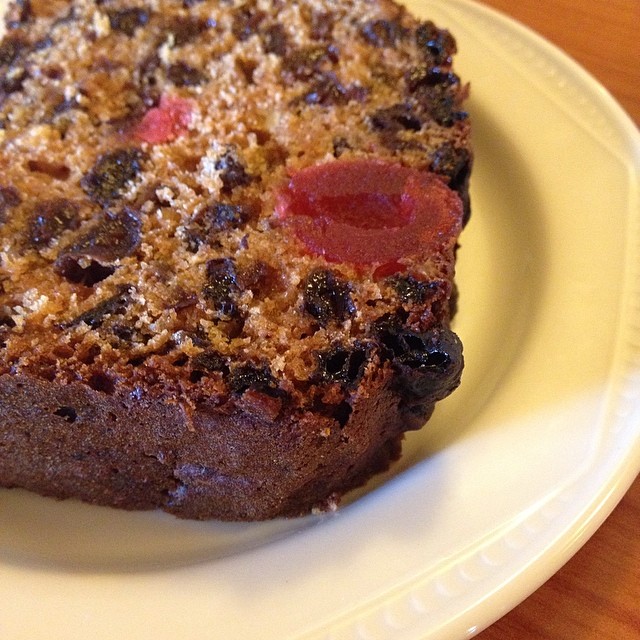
(596, 595)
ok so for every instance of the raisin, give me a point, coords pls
(223, 216)
(340, 145)
(221, 287)
(232, 172)
(115, 236)
(147, 80)
(9, 198)
(437, 45)
(10, 50)
(123, 332)
(6, 321)
(390, 120)
(44, 43)
(128, 20)
(13, 81)
(249, 376)
(116, 305)
(54, 170)
(246, 21)
(327, 90)
(274, 40)
(73, 270)
(453, 162)
(425, 76)
(50, 218)
(183, 75)
(410, 289)
(428, 365)
(441, 104)
(110, 174)
(185, 30)
(343, 364)
(327, 297)
(382, 33)
(66, 105)
(322, 25)
(209, 360)
(302, 64)
(258, 276)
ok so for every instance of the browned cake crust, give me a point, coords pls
(206, 304)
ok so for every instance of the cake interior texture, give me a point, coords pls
(227, 248)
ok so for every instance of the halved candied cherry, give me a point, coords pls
(370, 212)
(166, 122)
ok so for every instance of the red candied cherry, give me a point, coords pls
(369, 212)
(166, 122)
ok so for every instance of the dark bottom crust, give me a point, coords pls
(70, 441)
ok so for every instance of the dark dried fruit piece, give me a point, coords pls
(455, 164)
(6, 321)
(10, 50)
(344, 364)
(183, 75)
(438, 101)
(327, 90)
(115, 236)
(322, 25)
(12, 80)
(429, 365)
(258, 378)
(396, 118)
(340, 145)
(221, 287)
(128, 20)
(54, 170)
(452, 162)
(9, 198)
(44, 43)
(274, 40)
(185, 30)
(302, 64)
(146, 76)
(50, 218)
(383, 33)
(327, 297)
(209, 360)
(411, 289)
(246, 21)
(232, 172)
(437, 45)
(221, 216)
(116, 305)
(426, 76)
(110, 175)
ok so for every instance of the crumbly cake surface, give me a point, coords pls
(170, 338)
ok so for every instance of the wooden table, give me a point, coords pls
(596, 595)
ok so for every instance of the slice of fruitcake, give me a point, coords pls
(228, 233)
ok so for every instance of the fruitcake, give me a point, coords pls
(228, 235)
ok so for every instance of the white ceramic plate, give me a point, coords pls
(516, 470)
